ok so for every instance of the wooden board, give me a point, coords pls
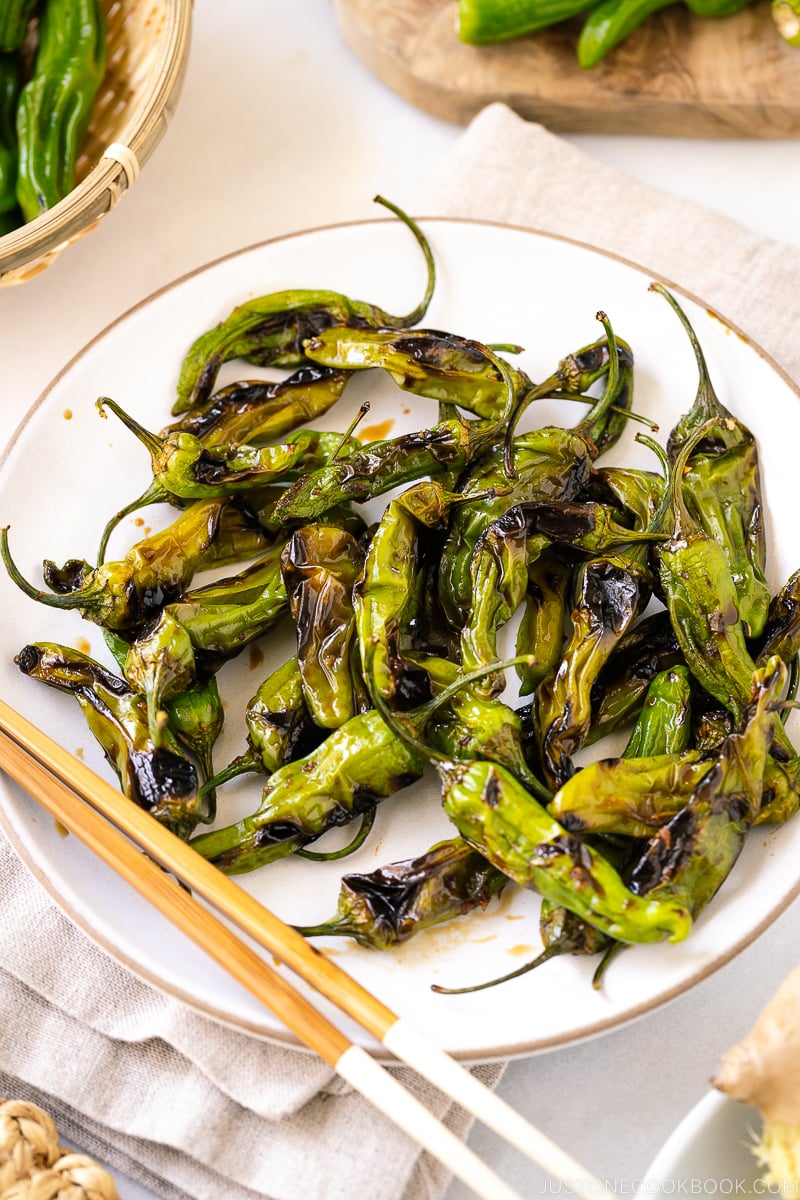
(676, 74)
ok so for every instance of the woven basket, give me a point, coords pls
(148, 43)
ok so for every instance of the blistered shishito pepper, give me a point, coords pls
(549, 463)
(445, 449)
(664, 725)
(722, 485)
(388, 906)
(279, 726)
(648, 648)
(56, 102)
(611, 591)
(498, 584)
(356, 766)
(691, 857)
(196, 717)
(123, 594)
(386, 593)
(440, 366)
(159, 778)
(256, 410)
(781, 634)
(471, 726)
(702, 600)
(500, 818)
(184, 467)
(540, 632)
(320, 565)
(271, 330)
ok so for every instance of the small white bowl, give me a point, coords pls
(709, 1154)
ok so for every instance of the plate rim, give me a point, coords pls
(281, 1036)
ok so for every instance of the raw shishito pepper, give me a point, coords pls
(56, 102)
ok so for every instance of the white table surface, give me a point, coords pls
(278, 129)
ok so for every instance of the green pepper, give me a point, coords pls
(56, 102)
(124, 594)
(691, 857)
(10, 85)
(15, 17)
(664, 726)
(159, 778)
(440, 366)
(354, 768)
(279, 726)
(722, 485)
(271, 330)
(540, 632)
(320, 565)
(547, 464)
(609, 23)
(483, 22)
(445, 449)
(196, 717)
(257, 411)
(617, 695)
(386, 907)
(184, 467)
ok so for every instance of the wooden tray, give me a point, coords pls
(676, 74)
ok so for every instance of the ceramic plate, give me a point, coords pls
(68, 470)
(709, 1153)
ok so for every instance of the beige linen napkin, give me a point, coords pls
(185, 1105)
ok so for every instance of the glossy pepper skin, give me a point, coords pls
(122, 595)
(15, 16)
(271, 330)
(355, 767)
(665, 720)
(501, 820)
(320, 565)
(611, 21)
(196, 718)
(426, 362)
(540, 632)
(722, 486)
(258, 411)
(386, 907)
(550, 463)
(182, 466)
(278, 723)
(385, 596)
(445, 448)
(485, 22)
(693, 855)
(648, 648)
(159, 778)
(56, 102)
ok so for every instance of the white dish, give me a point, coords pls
(68, 470)
(709, 1153)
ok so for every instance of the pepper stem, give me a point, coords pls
(707, 403)
(152, 441)
(545, 956)
(417, 313)
(364, 830)
(155, 494)
(54, 599)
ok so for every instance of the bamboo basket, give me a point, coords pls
(148, 43)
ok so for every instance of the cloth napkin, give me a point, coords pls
(183, 1104)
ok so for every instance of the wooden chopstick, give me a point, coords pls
(116, 830)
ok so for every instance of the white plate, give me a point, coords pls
(68, 469)
(709, 1153)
